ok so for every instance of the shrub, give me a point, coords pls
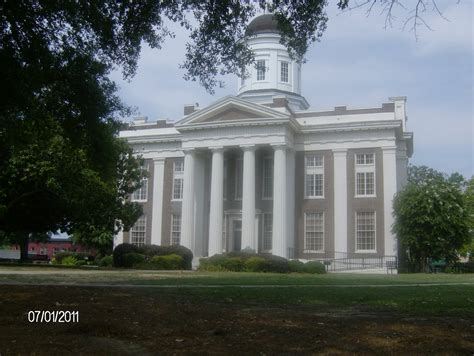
(106, 261)
(69, 261)
(276, 264)
(233, 264)
(168, 262)
(120, 251)
(255, 264)
(132, 259)
(81, 263)
(206, 265)
(182, 251)
(314, 267)
(296, 266)
(59, 256)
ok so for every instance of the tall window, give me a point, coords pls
(365, 231)
(238, 178)
(175, 229)
(141, 193)
(267, 178)
(314, 166)
(178, 173)
(365, 174)
(261, 69)
(314, 231)
(138, 230)
(267, 231)
(284, 72)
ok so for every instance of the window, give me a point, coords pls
(178, 173)
(261, 69)
(175, 229)
(141, 193)
(267, 231)
(284, 72)
(138, 231)
(314, 232)
(365, 174)
(238, 178)
(267, 178)
(365, 231)
(314, 176)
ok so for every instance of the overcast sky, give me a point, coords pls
(360, 64)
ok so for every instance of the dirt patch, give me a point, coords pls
(150, 321)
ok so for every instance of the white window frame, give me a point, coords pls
(322, 230)
(263, 232)
(177, 176)
(264, 185)
(239, 161)
(143, 190)
(287, 72)
(375, 232)
(364, 168)
(173, 231)
(258, 67)
(141, 222)
(316, 170)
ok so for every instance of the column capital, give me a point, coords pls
(159, 159)
(339, 151)
(389, 149)
(190, 150)
(248, 147)
(217, 149)
(277, 146)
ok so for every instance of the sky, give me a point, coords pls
(358, 63)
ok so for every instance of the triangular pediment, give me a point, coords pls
(230, 109)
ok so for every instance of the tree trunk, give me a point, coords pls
(23, 242)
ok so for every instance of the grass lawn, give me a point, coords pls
(431, 294)
(144, 312)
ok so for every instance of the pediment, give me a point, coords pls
(230, 109)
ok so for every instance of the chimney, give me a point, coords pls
(139, 120)
(190, 108)
(400, 109)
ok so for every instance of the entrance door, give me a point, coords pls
(237, 234)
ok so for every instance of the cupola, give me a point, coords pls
(275, 73)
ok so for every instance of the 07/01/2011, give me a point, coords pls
(53, 316)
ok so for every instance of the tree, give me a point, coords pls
(431, 218)
(61, 163)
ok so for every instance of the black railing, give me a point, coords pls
(343, 261)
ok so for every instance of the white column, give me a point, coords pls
(340, 200)
(199, 207)
(118, 239)
(389, 190)
(248, 199)
(279, 239)
(291, 199)
(187, 210)
(157, 207)
(216, 214)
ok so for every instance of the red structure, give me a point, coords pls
(47, 250)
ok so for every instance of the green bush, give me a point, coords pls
(132, 259)
(106, 261)
(296, 266)
(168, 262)
(120, 251)
(68, 261)
(234, 264)
(182, 251)
(81, 263)
(314, 267)
(255, 264)
(154, 250)
(276, 264)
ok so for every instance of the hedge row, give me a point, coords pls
(152, 257)
(244, 262)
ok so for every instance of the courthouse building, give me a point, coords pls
(261, 170)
